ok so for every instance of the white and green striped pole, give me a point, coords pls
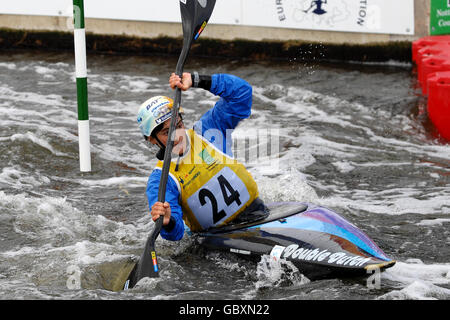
(82, 92)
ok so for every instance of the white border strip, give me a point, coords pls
(84, 145)
(80, 53)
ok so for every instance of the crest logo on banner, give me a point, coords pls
(317, 6)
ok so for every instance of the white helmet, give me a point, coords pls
(154, 112)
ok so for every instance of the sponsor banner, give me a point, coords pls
(368, 16)
(440, 17)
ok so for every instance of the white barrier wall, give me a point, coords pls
(367, 16)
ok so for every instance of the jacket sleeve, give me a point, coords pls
(235, 104)
(172, 197)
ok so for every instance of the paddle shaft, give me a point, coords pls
(194, 16)
(148, 263)
(169, 144)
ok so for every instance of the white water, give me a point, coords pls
(380, 168)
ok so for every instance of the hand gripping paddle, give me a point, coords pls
(194, 16)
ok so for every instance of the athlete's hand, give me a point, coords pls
(183, 83)
(161, 209)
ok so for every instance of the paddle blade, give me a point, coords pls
(147, 265)
(195, 15)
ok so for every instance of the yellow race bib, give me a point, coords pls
(214, 187)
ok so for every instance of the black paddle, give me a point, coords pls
(194, 16)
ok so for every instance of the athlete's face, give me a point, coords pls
(179, 142)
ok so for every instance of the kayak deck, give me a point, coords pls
(277, 213)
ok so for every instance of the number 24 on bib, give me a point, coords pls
(218, 199)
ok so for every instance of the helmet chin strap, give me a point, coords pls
(162, 148)
(160, 144)
(160, 154)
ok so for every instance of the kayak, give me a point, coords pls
(318, 241)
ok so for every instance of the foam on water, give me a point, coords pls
(278, 273)
(54, 235)
(432, 222)
(417, 280)
(289, 186)
(56, 220)
(29, 136)
(17, 179)
(314, 107)
(9, 66)
(127, 181)
(26, 98)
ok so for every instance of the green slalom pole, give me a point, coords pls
(82, 91)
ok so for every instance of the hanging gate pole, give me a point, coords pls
(82, 91)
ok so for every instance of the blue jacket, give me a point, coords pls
(234, 105)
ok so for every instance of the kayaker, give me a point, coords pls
(206, 186)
